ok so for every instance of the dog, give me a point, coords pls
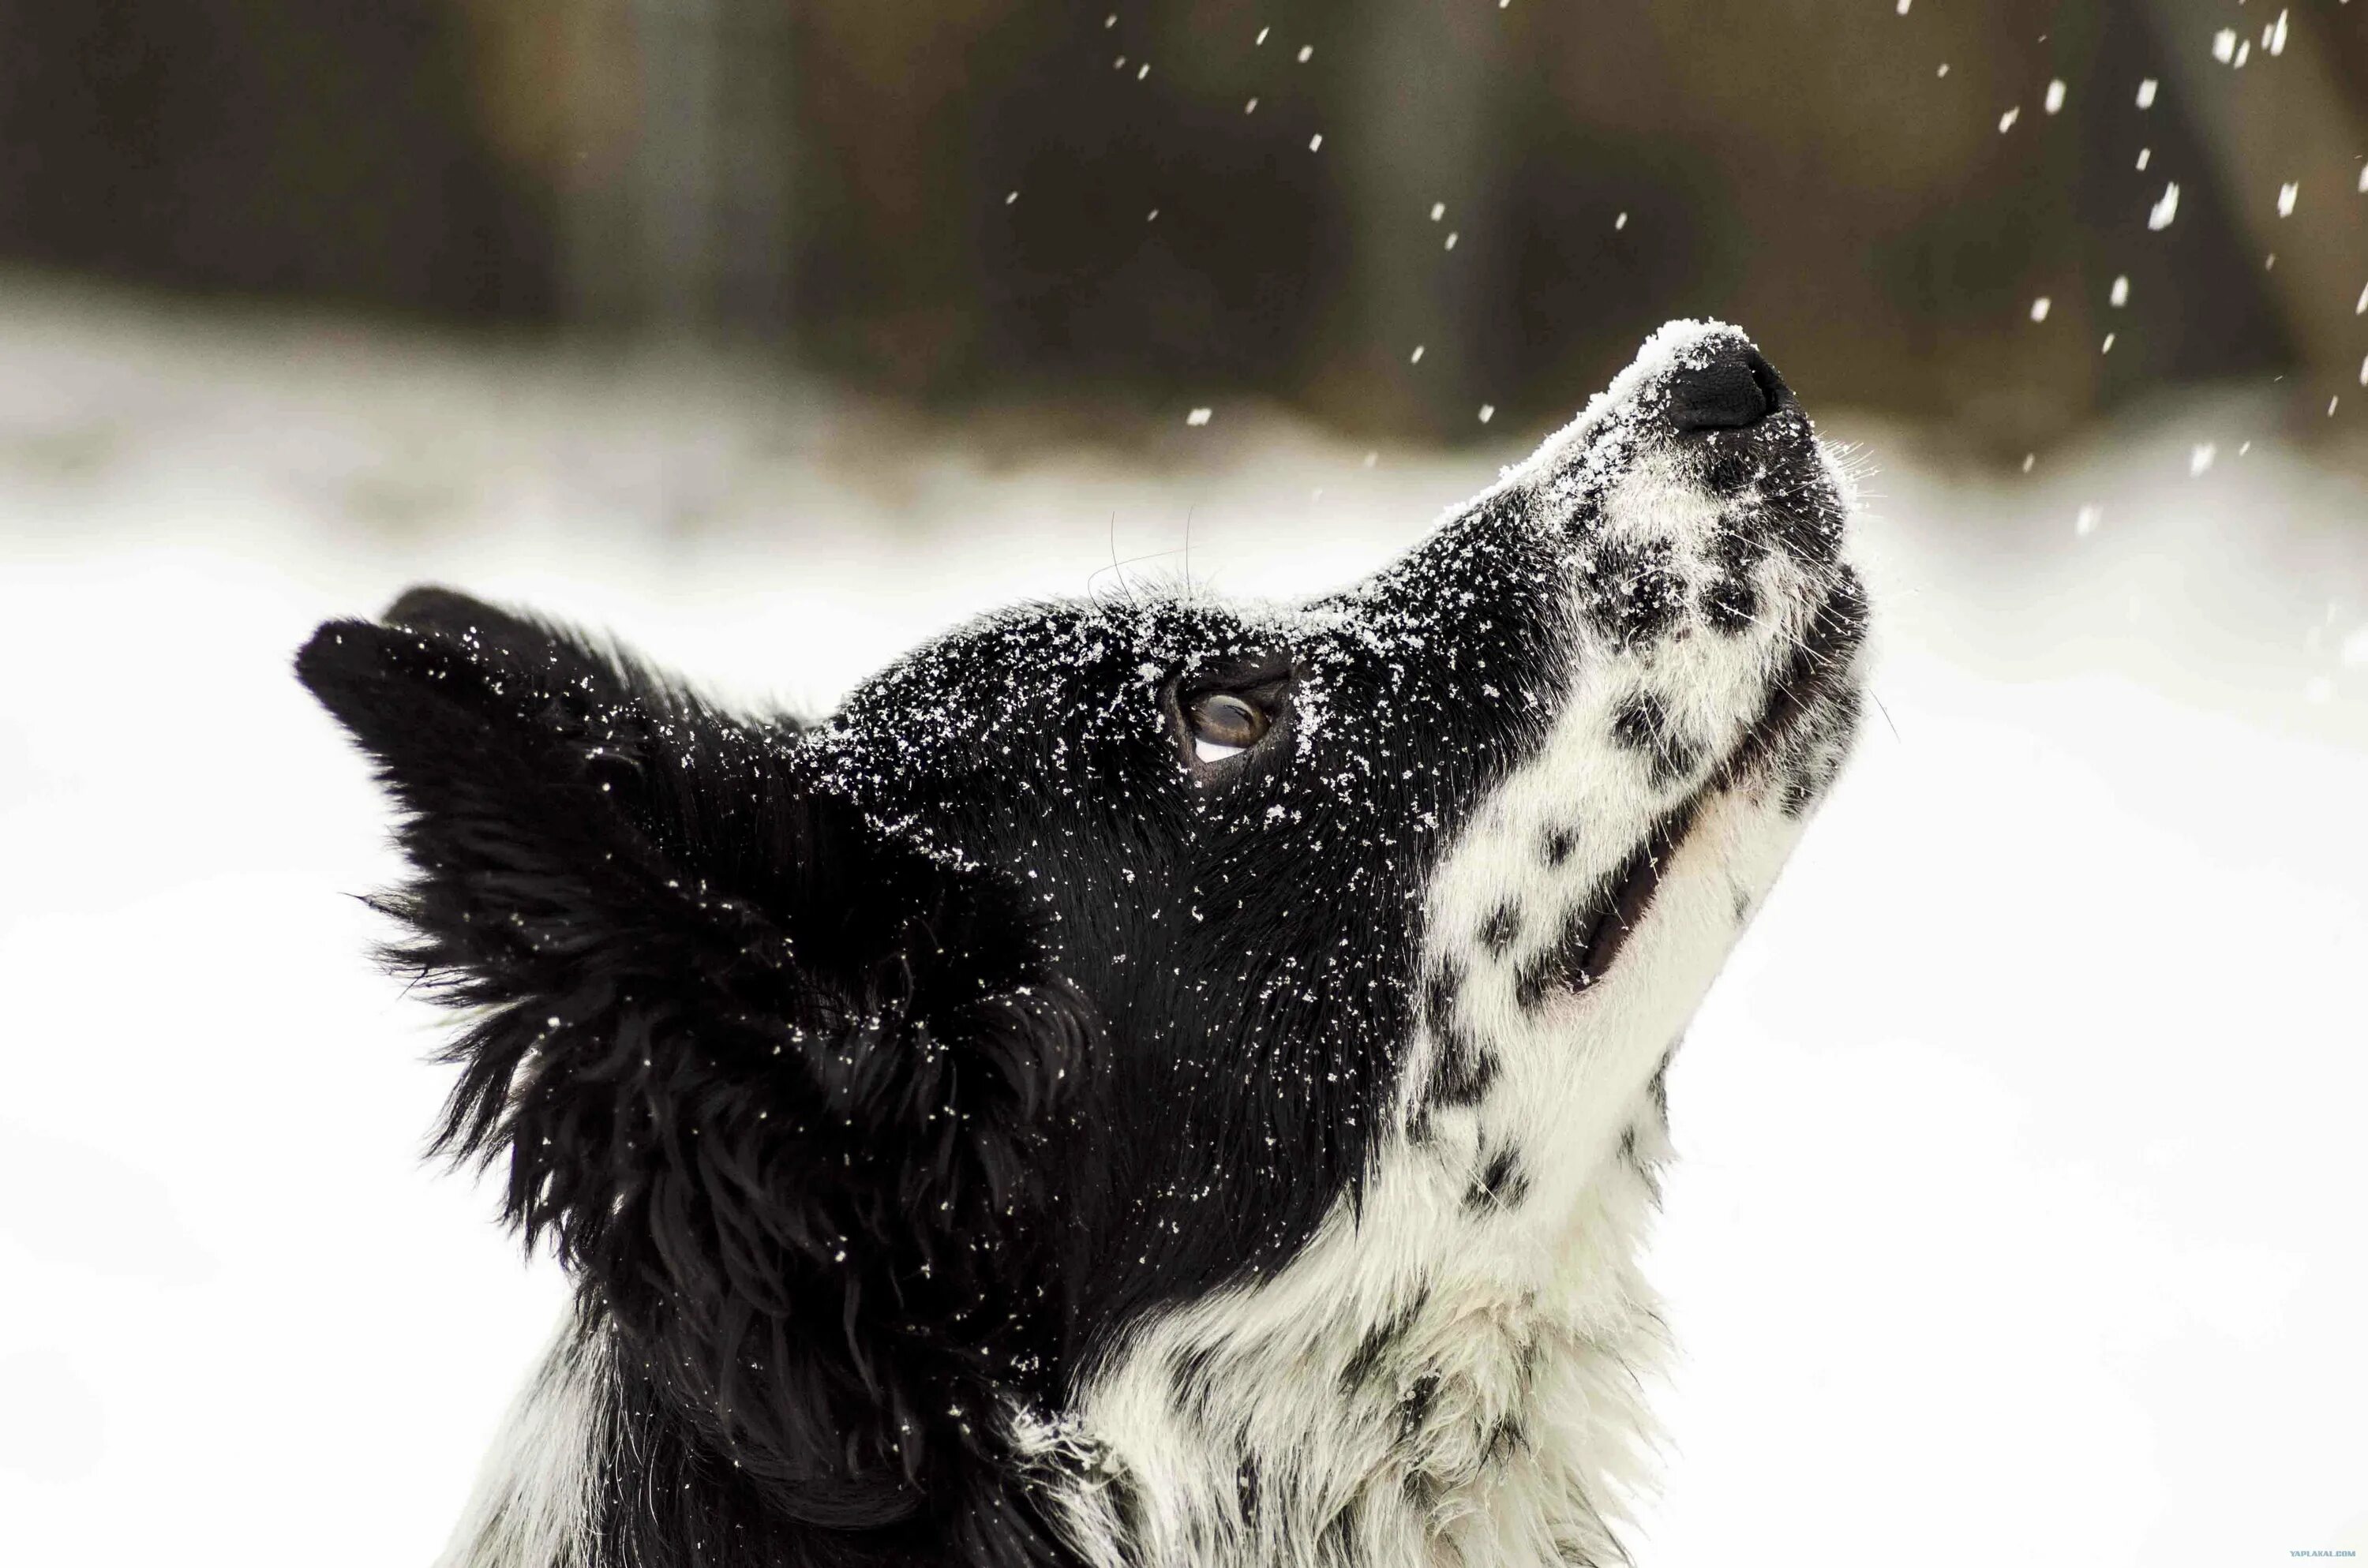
(1147, 1083)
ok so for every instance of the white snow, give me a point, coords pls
(2022, 1180)
(2166, 209)
(2055, 97)
(2146, 90)
(2286, 194)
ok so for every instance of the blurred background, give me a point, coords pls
(2023, 1192)
(1008, 202)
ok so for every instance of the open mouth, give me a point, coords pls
(1599, 929)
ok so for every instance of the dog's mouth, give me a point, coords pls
(1594, 938)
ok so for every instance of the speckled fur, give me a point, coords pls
(1436, 1380)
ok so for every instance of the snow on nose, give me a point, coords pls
(1733, 391)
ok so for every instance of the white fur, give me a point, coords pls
(533, 1503)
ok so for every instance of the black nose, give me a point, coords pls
(1734, 391)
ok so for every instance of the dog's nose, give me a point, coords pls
(1735, 390)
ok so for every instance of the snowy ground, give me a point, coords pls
(2021, 1215)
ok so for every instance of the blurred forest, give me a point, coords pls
(1123, 211)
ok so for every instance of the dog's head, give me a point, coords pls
(876, 1078)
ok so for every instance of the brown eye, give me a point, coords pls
(1223, 725)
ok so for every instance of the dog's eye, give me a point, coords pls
(1224, 725)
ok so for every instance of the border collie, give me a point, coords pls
(1147, 1085)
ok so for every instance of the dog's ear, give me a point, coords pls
(776, 1082)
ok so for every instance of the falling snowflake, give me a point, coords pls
(2006, 120)
(2055, 95)
(2120, 293)
(2146, 93)
(2084, 522)
(2165, 209)
(2202, 458)
(1198, 416)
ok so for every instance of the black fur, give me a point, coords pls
(1643, 724)
(1500, 1183)
(866, 1103)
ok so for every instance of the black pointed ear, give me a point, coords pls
(776, 1082)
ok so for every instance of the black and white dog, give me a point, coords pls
(1147, 1085)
